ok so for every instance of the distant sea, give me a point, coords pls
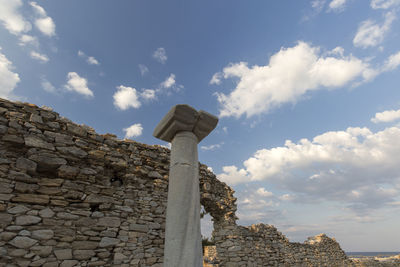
(371, 254)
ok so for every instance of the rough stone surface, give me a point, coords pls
(23, 242)
(100, 201)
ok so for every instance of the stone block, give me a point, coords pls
(22, 242)
(63, 254)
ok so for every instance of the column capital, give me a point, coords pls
(185, 118)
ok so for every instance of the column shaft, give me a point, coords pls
(183, 233)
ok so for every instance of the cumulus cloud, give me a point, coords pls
(318, 5)
(126, 97)
(148, 94)
(90, 60)
(26, 39)
(134, 130)
(169, 82)
(44, 23)
(386, 116)
(11, 17)
(337, 5)
(78, 84)
(384, 4)
(143, 69)
(41, 57)
(264, 193)
(47, 86)
(216, 78)
(355, 166)
(160, 55)
(371, 34)
(291, 73)
(8, 78)
(392, 62)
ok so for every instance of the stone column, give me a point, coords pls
(184, 127)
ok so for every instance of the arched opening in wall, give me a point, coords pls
(206, 223)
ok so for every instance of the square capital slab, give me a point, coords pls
(185, 118)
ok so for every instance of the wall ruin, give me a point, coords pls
(72, 197)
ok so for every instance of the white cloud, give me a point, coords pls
(90, 60)
(11, 18)
(216, 78)
(169, 82)
(264, 193)
(212, 147)
(44, 23)
(148, 94)
(143, 69)
(41, 57)
(47, 86)
(337, 5)
(126, 97)
(160, 55)
(384, 4)
(392, 62)
(318, 5)
(26, 39)
(232, 175)
(356, 166)
(134, 130)
(371, 34)
(78, 84)
(291, 73)
(386, 116)
(8, 79)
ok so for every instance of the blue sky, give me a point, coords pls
(307, 93)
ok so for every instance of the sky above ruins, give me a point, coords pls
(307, 93)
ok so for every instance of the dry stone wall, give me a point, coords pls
(72, 197)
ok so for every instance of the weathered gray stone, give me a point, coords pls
(51, 264)
(39, 262)
(63, 254)
(68, 171)
(67, 216)
(26, 164)
(36, 118)
(31, 198)
(109, 221)
(138, 228)
(84, 245)
(24, 233)
(108, 242)
(47, 161)
(75, 129)
(13, 139)
(22, 242)
(119, 258)
(83, 254)
(184, 127)
(74, 151)
(154, 174)
(42, 251)
(69, 263)
(27, 220)
(43, 234)
(34, 141)
(6, 236)
(19, 252)
(5, 219)
(46, 213)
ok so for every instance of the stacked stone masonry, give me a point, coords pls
(72, 197)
